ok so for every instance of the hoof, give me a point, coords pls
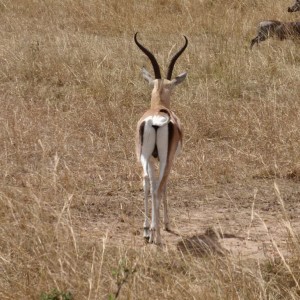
(152, 238)
(146, 233)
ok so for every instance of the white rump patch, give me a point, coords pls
(157, 120)
(160, 120)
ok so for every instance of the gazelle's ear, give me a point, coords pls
(147, 76)
(180, 78)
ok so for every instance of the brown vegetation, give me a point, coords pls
(71, 207)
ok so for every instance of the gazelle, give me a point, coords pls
(272, 28)
(158, 136)
(295, 7)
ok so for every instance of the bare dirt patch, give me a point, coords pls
(249, 218)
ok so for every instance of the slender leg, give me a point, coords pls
(153, 226)
(147, 149)
(162, 148)
(149, 182)
(165, 203)
(146, 184)
(151, 172)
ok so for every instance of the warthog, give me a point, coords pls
(295, 7)
(277, 29)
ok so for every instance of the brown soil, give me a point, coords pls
(247, 220)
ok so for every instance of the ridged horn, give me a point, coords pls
(151, 57)
(175, 57)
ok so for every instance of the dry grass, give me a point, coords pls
(71, 94)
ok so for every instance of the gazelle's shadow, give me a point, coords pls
(172, 232)
(204, 244)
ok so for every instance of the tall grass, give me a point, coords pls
(70, 189)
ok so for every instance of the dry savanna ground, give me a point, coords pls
(71, 208)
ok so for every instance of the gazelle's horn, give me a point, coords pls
(150, 56)
(175, 57)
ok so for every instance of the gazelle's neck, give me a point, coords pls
(160, 94)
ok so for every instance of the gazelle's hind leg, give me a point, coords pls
(148, 172)
(151, 172)
(165, 204)
(162, 149)
(149, 183)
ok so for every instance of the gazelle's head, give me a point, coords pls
(295, 7)
(162, 88)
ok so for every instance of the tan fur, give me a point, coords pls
(160, 99)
